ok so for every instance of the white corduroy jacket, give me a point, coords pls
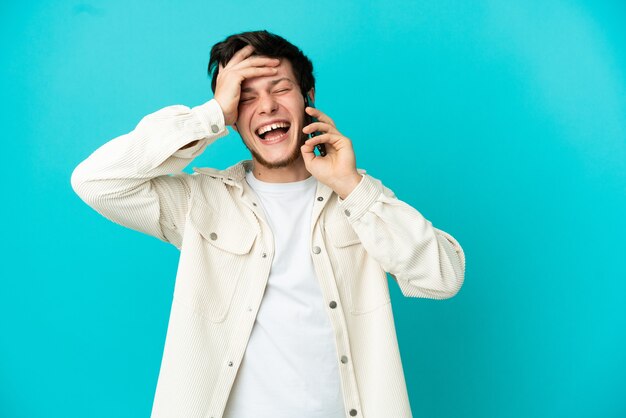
(226, 246)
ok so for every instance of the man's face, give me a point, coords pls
(271, 117)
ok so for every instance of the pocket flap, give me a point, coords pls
(341, 233)
(221, 231)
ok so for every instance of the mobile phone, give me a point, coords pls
(310, 119)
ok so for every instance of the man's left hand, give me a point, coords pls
(337, 169)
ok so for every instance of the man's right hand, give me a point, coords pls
(229, 79)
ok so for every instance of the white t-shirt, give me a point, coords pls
(290, 368)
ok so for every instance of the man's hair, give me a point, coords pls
(265, 44)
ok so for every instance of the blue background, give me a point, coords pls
(503, 122)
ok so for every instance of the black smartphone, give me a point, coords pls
(321, 148)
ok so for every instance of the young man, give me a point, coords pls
(281, 306)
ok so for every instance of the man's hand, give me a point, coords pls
(229, 79)
(337, 169)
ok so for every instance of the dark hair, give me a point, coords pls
(266, 44)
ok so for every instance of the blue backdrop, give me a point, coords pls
(504, 123)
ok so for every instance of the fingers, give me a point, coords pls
(240, 55)
(252, 62)
(335, 145)
(319, 127)
(244, 58)
(257, 61)
(322, 117)
(253, 67)
(308, 149)
(252, 72)
(307, 153)
(336, 140)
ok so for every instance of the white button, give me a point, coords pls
(317, 250)
(215, 128)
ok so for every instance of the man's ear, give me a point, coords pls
(311, 94)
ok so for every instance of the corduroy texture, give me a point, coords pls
(226, 254)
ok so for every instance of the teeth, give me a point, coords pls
(268, 128)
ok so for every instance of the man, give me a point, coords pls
(281, 306)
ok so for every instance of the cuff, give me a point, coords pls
(212, 118)
(360, 199)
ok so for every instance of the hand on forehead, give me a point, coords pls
(239, 56)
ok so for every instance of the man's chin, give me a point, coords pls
(279, 163)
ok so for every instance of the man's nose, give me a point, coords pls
(267, 104)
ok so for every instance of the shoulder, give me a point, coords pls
(212, 184)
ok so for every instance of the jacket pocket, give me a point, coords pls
(215, 251)
(363, 281)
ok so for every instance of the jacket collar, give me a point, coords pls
(233, 175)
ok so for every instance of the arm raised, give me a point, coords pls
(136, 179)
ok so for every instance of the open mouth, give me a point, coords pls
(274, 131)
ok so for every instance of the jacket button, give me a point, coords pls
(320, 198)
(317, 250)
(353, 412)
(332, 304)
(213, 236)
(347, 212)
(264, 255)
(253, 203)
(344, 359)
(215, 128)
(230, 364)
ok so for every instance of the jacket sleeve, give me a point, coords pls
(425, 261)
(136, 179)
